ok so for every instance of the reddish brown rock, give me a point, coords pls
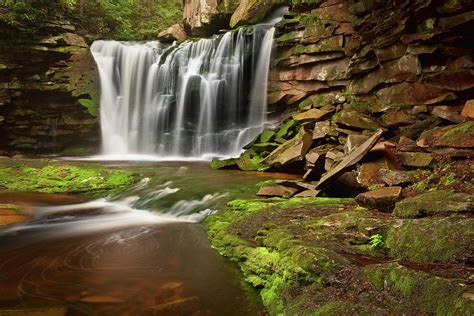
(413, 94)
(405, 68)
(368, 172)
(457, 136)
(383, 199)
(449, 113)
(279, 191)
(407, 144)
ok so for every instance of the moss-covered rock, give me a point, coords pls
(432, 295)
(438, 202)
(64, 179)
(431, 239)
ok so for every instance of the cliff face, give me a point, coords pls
(48, 90)
(386, 55)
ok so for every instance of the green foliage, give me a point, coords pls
(376, 241)
(117, 19)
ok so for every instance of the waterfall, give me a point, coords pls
(198, 99)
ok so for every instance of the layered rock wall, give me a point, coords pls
(48, 90)
(378, 56)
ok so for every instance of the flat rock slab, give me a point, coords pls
(383, 199)
(279, 191)
(441, 203)
(415, 159)
(354, 157)
(310, 115)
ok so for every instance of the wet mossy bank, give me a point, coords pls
(324, 256)
(64, 178)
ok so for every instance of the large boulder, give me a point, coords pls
(173, 33)
(206, 17)
(251, 11)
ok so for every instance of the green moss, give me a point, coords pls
(90, 105)
(64, 179)
(431, 239)
(77, 151)
(281, 261)
(437, 202)
(459, 132)
(427, 293)
(285, 129)
(223, 164)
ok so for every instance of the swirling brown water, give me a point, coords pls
(94, 261)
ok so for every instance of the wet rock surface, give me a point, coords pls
(48, 91)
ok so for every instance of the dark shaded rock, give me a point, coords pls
(354, 157)
(449, 113)
(457, 136)
(395, 177)
(440, 202)
(407, 144)
(458, 80)
(300, 185)
(383, 199)
(279, 191)
(415, 159)
(414, 130)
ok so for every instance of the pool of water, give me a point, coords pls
(139, 252)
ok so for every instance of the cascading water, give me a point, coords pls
(197, 99)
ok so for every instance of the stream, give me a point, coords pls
(139, 252)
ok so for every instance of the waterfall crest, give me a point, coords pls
(198, 99)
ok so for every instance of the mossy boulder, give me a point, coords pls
(438, 202)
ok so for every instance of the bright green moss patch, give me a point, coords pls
(64, 179)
